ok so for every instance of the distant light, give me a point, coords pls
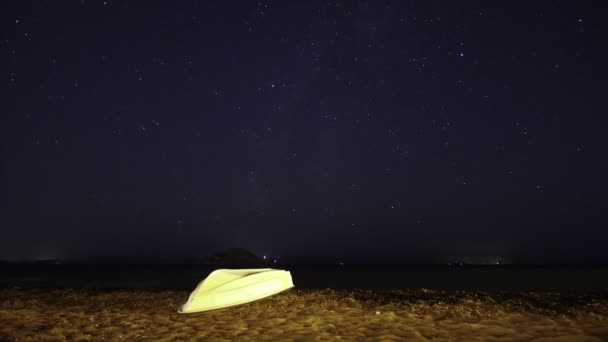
(264, 257)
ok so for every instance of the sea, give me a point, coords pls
(489, 278)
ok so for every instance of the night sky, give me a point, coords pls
(359, 131)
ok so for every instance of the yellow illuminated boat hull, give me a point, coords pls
(227, 287)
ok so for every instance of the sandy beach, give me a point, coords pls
(303, 315)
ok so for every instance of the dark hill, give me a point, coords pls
(236, 258)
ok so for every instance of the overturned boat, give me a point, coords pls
(229, 287)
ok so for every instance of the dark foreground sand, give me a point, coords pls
(303, 315)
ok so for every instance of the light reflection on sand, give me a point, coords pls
(417, 315)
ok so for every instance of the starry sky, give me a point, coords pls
(363, 131)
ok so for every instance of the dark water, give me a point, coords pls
(485, 278)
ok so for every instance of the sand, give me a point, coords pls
(303, 315)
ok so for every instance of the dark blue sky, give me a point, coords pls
(369, 131)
